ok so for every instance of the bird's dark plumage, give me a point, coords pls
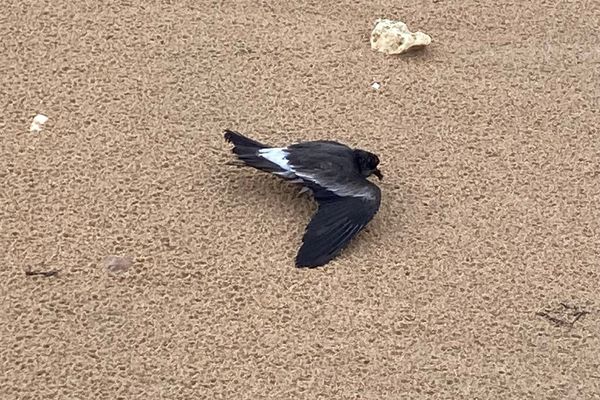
(335, 174)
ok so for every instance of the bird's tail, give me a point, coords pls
(247, 151)
(241, 142)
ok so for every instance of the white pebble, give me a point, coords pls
(38, 123)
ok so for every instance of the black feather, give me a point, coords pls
(333, 226)
(242, 141)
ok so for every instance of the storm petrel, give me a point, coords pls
(335, 174)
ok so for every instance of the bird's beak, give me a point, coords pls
(378, 174)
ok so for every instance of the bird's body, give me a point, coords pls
(335, 174)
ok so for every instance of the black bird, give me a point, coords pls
(336, 176)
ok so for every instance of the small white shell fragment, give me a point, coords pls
(376, 85)
(38, 123)
(117, 264)
(393, 37)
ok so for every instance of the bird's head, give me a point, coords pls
(367, 163)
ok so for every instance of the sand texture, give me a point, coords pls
(478, 279)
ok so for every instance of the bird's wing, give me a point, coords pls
(337, 220)
(347, 201)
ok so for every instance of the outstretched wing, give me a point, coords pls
(337, 220)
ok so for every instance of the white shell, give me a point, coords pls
(393, 37)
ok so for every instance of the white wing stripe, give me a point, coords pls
(340, 190)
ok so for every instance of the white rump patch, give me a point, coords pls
(278, 155)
